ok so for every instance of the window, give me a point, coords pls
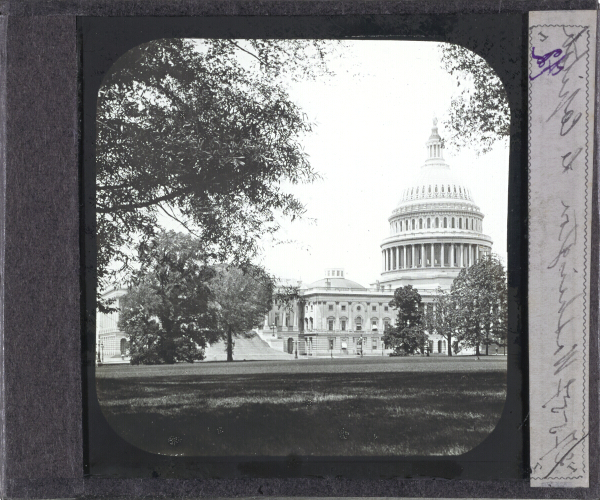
(386, 308)
(331, 307)
(276, 321)
(343, 308)
(374, 325)
(374, 344)
(459, 223)
(331, 344)
(374, 308)
(330, 325)
(287, 320)
(358, 323)
(428, 223)
(343, 324)
(453, 224)
(420, 223)
(358, 308)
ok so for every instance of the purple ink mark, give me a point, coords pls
(553, 68)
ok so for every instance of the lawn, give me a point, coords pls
(321, 407)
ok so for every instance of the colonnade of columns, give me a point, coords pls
(430, 255)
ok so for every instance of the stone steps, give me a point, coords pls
(248, 349)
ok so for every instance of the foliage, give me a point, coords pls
(443, 320)
(167, 312)
(479, 115)
(179, 304)
(242, 297)
(408, 335)
(480, 294)
(204, 132)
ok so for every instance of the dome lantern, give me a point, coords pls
(434, 144)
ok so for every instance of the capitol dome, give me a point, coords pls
(436, 227)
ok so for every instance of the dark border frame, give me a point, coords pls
(41, 387)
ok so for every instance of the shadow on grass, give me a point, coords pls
(321, 414)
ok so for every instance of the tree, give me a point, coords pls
(480, 293)
(242, 297)
(408, 335)
(443, 320)
(167, 312)
(203, 132)
(479, 115)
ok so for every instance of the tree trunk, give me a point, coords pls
(229, 345)
(487, 341)
(477, 349)
(449, 345)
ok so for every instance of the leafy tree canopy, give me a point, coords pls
(408, 335)
(178, 303)
(480, 293)
(204, 132)
(443, 318)
(479, 115)
(167, 312)
(241, 298)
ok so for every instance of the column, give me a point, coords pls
(451, 254)
(382, 261)
(397, 257)
(404, 257)
(432, 255)
(442, 255)
(422, 254)
(477, 253)
(412, 254)
(462, 256)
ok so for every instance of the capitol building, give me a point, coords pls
(435, 230)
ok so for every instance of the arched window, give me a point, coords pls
(420, 223)
(436, 189)
(445, 222)
(430, 189)
(417, 190)
(428, 222)
(437, 222)
(459, 223)
(413, 223)
(358, 323)
(442, 189)
(453, 223)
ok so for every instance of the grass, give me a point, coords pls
(355, 407)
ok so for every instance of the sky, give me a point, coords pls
(372, 120)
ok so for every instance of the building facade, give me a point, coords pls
(435, 230)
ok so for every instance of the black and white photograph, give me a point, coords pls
(301, 248)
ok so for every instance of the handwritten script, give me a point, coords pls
(560, 208)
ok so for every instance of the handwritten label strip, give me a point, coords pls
(561, 121)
